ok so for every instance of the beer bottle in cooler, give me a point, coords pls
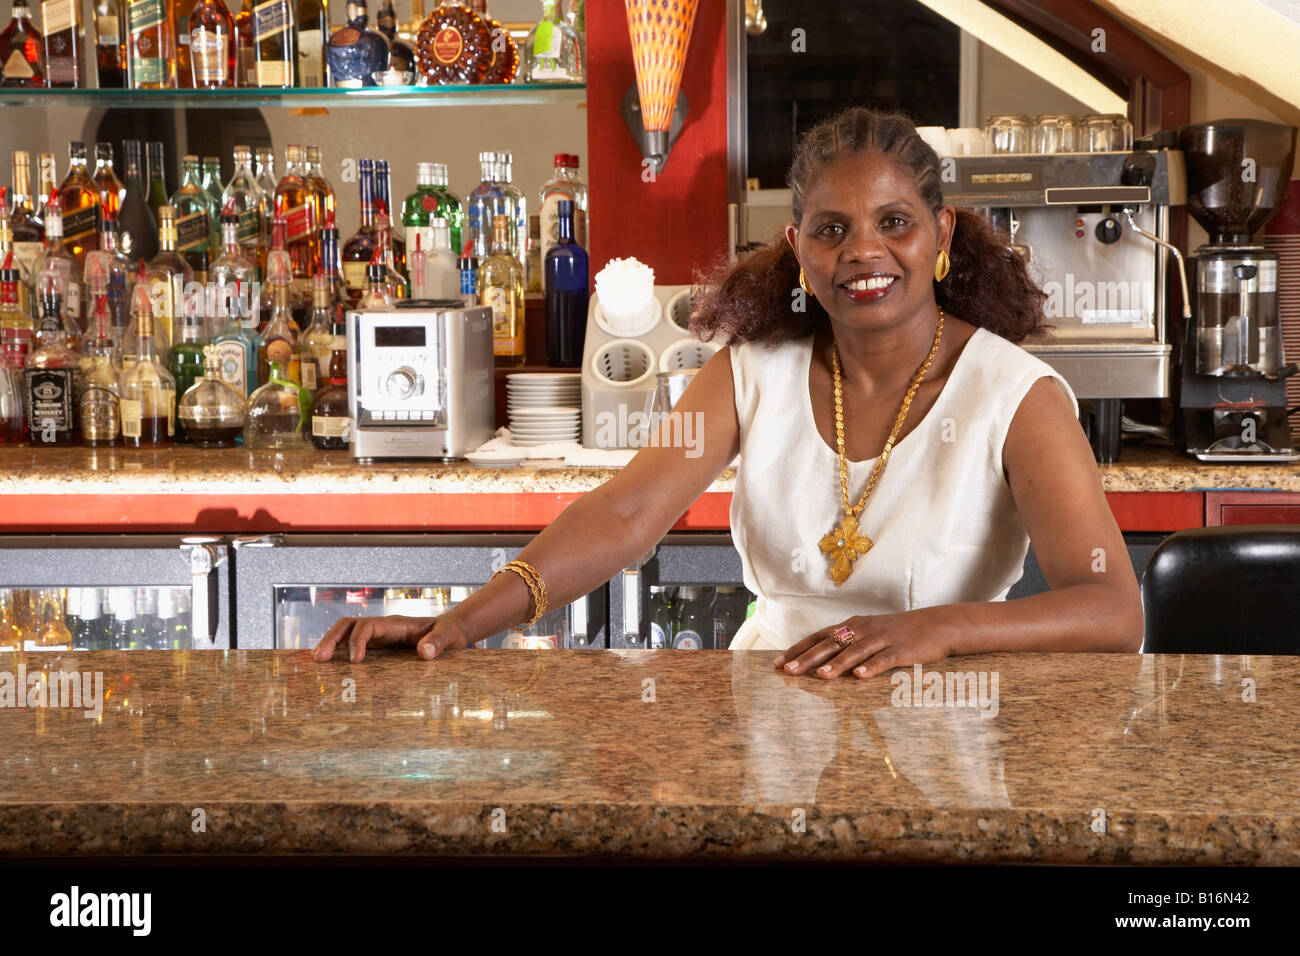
(694, 631)
(661, 618)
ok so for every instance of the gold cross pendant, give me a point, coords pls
(845, 545)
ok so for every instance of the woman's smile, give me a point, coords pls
(868, 286)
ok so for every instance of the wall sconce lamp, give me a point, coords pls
(655, 108)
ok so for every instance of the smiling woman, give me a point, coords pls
(881, 330)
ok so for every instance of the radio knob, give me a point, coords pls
(400, 382)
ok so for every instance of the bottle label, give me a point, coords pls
(27, 253)
(14, 345)
(80, 223)
(308, 370)
(146, 72)
(300, 222)
(273, 73)
(269, 19)
(106, 31)
(99, 414)
(234, 365)
(193, 232)
(58, 15)
(310, 59)
(144, 14)
(49, 400)
(59, 69)
(323, 426)
(17, 67)
(207, 54)
(354, 276)
(657, 637)
(687, 641)
(250, 229)
(505, 340)
(131, 415)
(448, 45)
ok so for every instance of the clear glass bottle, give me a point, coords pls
(441, 276)
(243, 197)
(166, 277)
(331, 425)
(108, 271)
(375, 298)
(232, 279)
(315, 345)
(279, 340)
(147, 396)
(518, 204)
(245, 48)
(236, 342)
(279, 414)
(58, 258)
(278, 261)
(566, 295)
(185, 361)
(210, 411)
(150, 46)
(99, 416)
(553, 52)
(51, 376)
(193, 210)
(488, 199)
(384, 245)
(563, 184)
(384, 200)
(501, 286)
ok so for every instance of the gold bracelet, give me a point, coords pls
(536, 587)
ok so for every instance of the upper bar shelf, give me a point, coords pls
(499, 94)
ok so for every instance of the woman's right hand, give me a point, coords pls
(430, 636)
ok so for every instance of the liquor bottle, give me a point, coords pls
(57, 258)
(355, 51)
(331, 425)
(273, 38)
(661, 618)
(185, 361)
(693, 630)
(415, 272)
(518, 203)
(430, 200)
(98, 413)
(144, 626)
(501, 286)
(279, 339)
(158, 195)
(16, 325)
(211, 412)
(533, 257)
(236, 346)
(441, 276)
(108, 272)
(193, 219)
(242, 191)
(489, 199)
(245, 48)
(401, 55)
(311, 21)
(375, 298)
(117, 632)
(48, 174)
(553, 52)
(26, 228)
(26, 288)
(139, 228)
(331, 269)
(147, 398)
(72, 617)
(279, 414)
(384, 196)
(454, 46)
(408, 30)
(322, 198)
(181, 640)
(504, 63)
(316, 344)
(211, 183)
(576, 17)
(264, 166)
(22, 52)
(110, 43)
(179, 12)
(561, 185)
(277, 260)
(50, 376)
(168, 273)
(384, 246)
(231, 279)
(79, 199)
(360, 247)
(112, 191)
(210, 42)
(150, 46)
(468, 267)
(294, 201)
(566, 295)
(62, 22)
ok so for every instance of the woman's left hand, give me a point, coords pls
(880, 642)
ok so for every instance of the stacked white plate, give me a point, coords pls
(544, 407)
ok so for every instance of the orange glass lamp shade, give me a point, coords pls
(661, 32)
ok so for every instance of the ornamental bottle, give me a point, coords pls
(148, 392)
(211, 413)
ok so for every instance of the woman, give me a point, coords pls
(890, 541)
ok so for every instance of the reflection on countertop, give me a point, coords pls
(187, 470)
(1075, 759)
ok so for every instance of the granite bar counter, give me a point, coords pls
(1068, 759)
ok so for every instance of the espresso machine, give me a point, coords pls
(420, 380)
(1233, 383)
(1093, 228)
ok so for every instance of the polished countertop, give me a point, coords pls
(192, 471)
(1071, 758)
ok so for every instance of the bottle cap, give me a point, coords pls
(189, 158)
(439, 174)
(320, 292)
(467, 262)
(561, 159)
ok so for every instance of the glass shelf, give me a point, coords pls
(502, 94)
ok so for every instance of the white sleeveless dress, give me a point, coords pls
(942, 521)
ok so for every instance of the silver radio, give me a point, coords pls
(420, 380)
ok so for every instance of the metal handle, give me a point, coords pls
(205, 556)
(578, 618)
(1182, 266)
(632, 606)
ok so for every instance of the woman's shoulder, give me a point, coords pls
(1009, 366)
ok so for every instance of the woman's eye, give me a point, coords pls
(895, 222)
(831, 229)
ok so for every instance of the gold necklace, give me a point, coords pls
(845, 544)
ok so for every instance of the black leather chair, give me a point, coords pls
(1229, 590)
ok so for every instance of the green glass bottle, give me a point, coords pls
(193, 208)
(185, 361)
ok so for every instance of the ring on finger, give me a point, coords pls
(843, 636)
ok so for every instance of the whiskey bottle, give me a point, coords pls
(62, 22)
(26, 290)
(139, 232)
(279, 339)
(331, 424)
(79, 200)
(454, 46)
(384, 199)
(193, 219)
(158, 195)
(501, 286)
(22, 52)
(245, 47)
(147, 398)
(311, 23)
(165, 278)
(110, 43)
(294, 201)
(322, 198)
(317, 342)
(27, 226)
(150, 46)
(243, 197)
(210, 42)
(273, 35)
(355, 51)
(99, 417)
(112, 193)
(50, 377)
(360, 247)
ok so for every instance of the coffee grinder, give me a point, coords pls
(1233, 388)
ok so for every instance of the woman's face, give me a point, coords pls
(868, 242)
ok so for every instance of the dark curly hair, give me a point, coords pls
(988, 284)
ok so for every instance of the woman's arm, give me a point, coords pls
(594, 538)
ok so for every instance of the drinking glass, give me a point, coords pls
(1106, 132)
(1055, 133)
(1008, 133)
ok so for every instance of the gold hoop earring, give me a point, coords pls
(941, 266)
(803, 281)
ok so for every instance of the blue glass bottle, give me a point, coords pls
(566, 294)
(355, 51)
